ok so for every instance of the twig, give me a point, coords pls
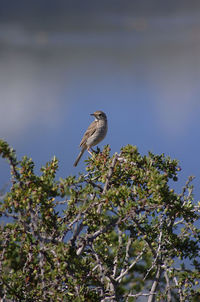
(157, 255)
(186, 187)
(89, 181)
(110, 172)
(155, 284)
(118, 250)
(140, 295)
(108, 177)
(102, 271)
(179, 290)
(169, 296)
(146, 238)
(89, 238)
(41, 265)
(9, 215)
(123, 273)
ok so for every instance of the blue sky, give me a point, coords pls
(141, 66)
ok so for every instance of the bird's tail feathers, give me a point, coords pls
(79, 157)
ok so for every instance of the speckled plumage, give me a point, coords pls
(94, 134)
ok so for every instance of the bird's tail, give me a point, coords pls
(79, 157)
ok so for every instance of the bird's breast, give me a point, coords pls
(99, 134)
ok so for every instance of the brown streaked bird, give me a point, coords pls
(94, 134)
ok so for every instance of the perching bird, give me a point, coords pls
(94, 134)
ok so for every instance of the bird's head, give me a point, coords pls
(99, 115)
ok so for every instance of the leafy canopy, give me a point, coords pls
(116, 233)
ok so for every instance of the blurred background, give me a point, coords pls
(139, 61)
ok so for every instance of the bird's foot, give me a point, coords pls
(95, 151)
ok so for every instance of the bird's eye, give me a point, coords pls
(100, 114)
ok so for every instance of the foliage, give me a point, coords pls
(116, 233)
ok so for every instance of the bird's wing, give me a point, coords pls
(89, 132)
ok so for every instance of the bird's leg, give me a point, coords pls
(89, 151)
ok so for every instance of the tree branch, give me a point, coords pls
(154, 285)
(110, 172)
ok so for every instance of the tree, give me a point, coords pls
(117, 233)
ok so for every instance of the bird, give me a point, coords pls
(94, 134)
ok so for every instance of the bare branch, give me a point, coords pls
(126, 257)
(110, 172)
(140, 294)
(123, 273)
(155, 284)
(186, 187)
(169, 296)
(88, 238)
(118, 250)
(157, 255)
(179, 289)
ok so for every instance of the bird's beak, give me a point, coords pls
(92, 114)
